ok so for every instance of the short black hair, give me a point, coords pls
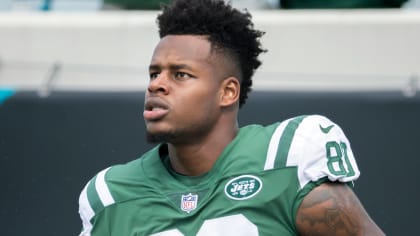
(227, 29)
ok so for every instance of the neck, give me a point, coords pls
(197, 158)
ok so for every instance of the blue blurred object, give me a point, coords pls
(5, 93)
(46, 6)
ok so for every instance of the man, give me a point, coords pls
(208, 176)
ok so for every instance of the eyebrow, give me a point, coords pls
(154, 67)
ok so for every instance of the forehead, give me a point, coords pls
(182, 48)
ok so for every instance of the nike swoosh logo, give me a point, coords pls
(327, 129)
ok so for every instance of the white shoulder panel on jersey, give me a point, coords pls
(316, 145)
(86, 212)
(320, 149)
(85, 209)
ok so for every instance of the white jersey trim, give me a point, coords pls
(102, 189)
(85, 209)
(86, 212)
(273, 146)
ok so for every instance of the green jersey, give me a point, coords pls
(254, 188)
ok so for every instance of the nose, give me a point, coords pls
(158, 84)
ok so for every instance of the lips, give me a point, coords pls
(155, 109)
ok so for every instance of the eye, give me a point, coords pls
(182, 75)
(153, 75)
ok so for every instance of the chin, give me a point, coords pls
(154, 138)
(160, 137)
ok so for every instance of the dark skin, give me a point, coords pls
(333, 209)
(192, 102)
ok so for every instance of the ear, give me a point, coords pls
(230, 90)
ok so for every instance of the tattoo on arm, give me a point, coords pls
(333, 209)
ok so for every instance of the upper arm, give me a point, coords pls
(333, 209)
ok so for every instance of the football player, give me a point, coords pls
(207, 176)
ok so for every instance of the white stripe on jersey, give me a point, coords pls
(274, 144)
(86, 212)
(102, 189)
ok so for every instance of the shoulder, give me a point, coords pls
(318, 128)
(315, 145)
(112, 185)
(100, 191)
(313, 127)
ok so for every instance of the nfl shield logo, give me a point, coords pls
(189, 202)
